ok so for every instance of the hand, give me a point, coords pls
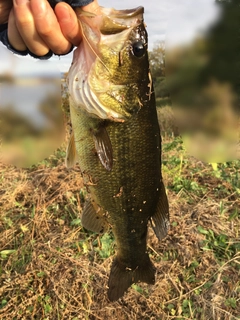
(36, 26)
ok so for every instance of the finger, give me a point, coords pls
(26, 27)
(68, 22)
(14, 36)
(48, 27)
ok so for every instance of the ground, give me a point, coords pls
(51, 268)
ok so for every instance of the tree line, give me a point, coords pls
(214, 56)
(157, 60)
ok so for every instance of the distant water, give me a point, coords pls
(31, 127)
(26, 97)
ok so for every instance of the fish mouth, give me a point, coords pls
(125, 13)
(115, 21)
(110, 21)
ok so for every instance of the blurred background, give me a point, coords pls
(193, 51)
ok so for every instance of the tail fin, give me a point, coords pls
(122, 277)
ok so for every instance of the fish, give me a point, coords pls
(116, 140)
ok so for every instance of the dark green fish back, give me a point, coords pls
(118, 145)
(128, 194)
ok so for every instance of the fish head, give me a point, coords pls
(109, 77)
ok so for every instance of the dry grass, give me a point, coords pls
(51, 268)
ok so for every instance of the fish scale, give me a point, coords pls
(120, 158)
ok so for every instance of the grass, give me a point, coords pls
(52, 268)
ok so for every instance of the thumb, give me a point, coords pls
(68, 22)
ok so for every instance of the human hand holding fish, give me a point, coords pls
(40, 28)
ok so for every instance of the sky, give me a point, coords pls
(172, 20)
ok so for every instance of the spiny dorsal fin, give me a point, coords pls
(71, 153)
(93, 218)
(160, 219)
(103, 147)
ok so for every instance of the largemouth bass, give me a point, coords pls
(116, 140)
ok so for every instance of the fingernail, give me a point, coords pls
(39, 7)
(65, 13)
(42, 6)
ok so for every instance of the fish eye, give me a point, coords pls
(138, 49)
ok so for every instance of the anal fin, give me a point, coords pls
(93, 218)
(121, 277)
(160, 219)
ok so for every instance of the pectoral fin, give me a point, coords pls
(71, 153)
(93, 218)
(103, 147)
(160, 219)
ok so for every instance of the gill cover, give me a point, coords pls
(91, 80)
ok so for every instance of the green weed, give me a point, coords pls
(3, 303)
(140, 290)
(230, 172)
(222, 247)
(106, 248)
(231, 302)
(45, 301)
(175, 165)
